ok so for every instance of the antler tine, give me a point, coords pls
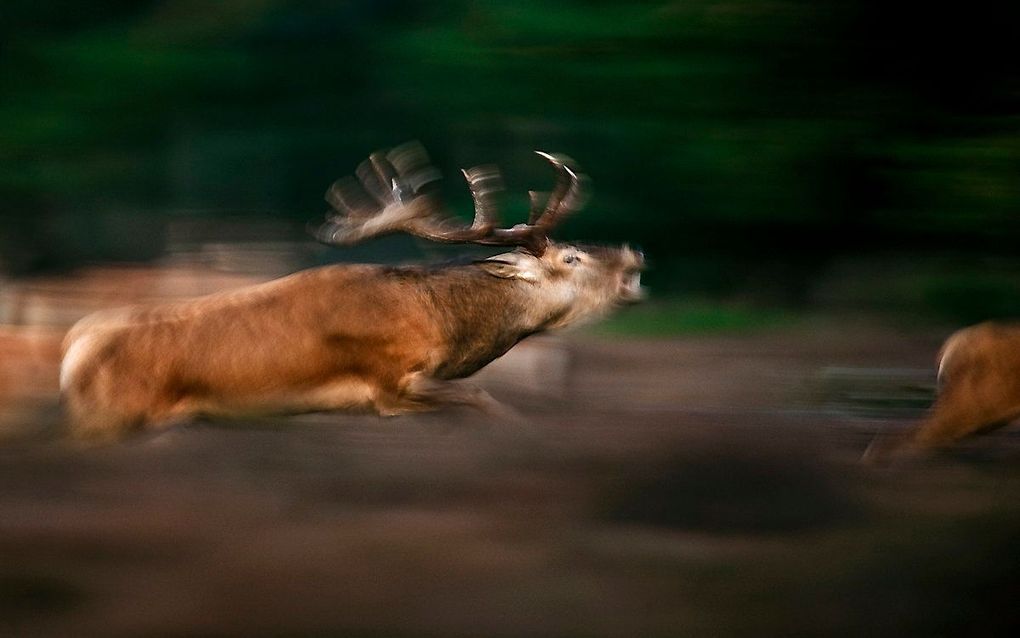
(412, 166)
(384, 169)
(377, 176)
(347, 197)
(372, 181)
(351, 207)
(568, 195)
(335, 196)
(484, 182)
(538, 200)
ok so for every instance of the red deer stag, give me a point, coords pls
(352, 337)
(979, 391)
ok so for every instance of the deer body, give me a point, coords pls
(345, 337)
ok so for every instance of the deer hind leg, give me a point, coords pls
(103, 404)
(952, 421)
(954, 416)
(91, 418)
(92, 411)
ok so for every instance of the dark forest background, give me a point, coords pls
(800, 152)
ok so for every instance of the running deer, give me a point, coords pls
(375, 338)
(978, 391)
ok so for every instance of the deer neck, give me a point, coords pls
(482, 317)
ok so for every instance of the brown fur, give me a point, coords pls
(356, 337)
(979, 391)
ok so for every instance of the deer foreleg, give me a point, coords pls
(422, 394)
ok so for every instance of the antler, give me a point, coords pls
(388, 196)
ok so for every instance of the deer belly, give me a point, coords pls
(348, 394)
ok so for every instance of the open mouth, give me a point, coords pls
(631, 291)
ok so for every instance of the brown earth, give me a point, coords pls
(707, 486)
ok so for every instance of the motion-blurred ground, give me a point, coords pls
(705, 486)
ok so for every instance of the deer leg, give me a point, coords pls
(953, 417)
(945, 428)
(422, 393)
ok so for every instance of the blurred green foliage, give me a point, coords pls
(741, 143)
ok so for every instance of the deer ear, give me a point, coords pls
(512, 265)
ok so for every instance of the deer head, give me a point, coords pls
(391, 193)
